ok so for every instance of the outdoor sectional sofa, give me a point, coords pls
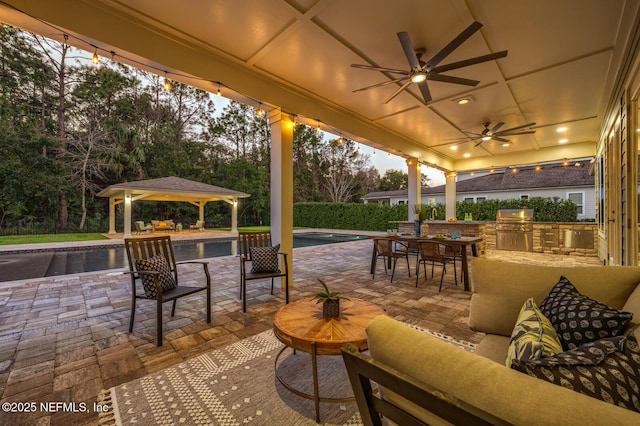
(481, 379)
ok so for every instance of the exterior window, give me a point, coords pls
(401, 202)
(478, 199)
(578, 199)
(468, 199)
(524, 196)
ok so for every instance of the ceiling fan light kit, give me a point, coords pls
(420, 72)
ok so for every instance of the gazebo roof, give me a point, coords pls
(171, 189)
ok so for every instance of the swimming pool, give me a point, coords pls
(19, 266)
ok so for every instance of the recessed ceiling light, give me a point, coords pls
(561, 129)
(467, 155)
(506, 144)
(453, 147)
(463, 100)
(563, 141)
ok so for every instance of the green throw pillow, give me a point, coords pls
(533, 336)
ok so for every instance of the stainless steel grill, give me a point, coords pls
(514, 230)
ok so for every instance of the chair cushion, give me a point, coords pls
(533, 336)
(264, 259)
(607, 369)
(159, 264)
(579, 319)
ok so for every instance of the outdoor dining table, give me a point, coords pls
(461, 241)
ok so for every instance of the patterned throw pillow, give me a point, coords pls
(579, 319)
(607, 369)
(533, 336)
(156, 263)
(264, 259)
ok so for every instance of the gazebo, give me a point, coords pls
(167, 189)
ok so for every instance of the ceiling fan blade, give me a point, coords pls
(384, 83)
(496, 127)
(424, 89)
(529, 132)
(409, 51)
(498, 138)
(518, 127)
(454, 44)
(381, 69)
(450, 79)
(471, 61)
(400, 89)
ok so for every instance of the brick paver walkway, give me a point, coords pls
(65, 338)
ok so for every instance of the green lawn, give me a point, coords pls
(49, 238)
(62, 238)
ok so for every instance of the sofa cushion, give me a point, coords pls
(633, 306)
(533, 336)
(607, 369)
(579, 319)
(264, 259)
(158, 264)
(515, 397)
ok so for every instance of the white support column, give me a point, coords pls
(414, 186)
(282, 183)
(234, 215)
(112, 215)
(201, 210)
(450, 195)
(127, 214)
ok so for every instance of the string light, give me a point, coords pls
(374, 153)
(167, 83)
(259, 112)
(218, 92)
(95, 59)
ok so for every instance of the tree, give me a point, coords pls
(393, 180)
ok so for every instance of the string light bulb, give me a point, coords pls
(167, 83)
(340, 140)
(259, 112)
(218, 92)
(374, 153)
(95, 59)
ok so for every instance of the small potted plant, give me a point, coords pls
(330, 301)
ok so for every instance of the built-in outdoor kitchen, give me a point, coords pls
(516, 230)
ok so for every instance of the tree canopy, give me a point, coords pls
(69, 129)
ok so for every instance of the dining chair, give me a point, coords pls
(390, 251)
(259, 260)
(429, 251)
(152, 262)
(454, 252)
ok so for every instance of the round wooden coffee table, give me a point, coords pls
(300, 326)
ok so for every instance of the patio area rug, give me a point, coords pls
(236, 385)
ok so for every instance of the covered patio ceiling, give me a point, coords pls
(296, 55)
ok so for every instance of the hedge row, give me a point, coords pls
(376, 217)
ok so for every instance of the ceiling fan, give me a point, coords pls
(422, 71)
(494, 133)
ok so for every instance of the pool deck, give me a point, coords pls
(66, 338)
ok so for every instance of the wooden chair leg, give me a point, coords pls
(286, 288)
(272, 286)
(418, 271)
(173, 308)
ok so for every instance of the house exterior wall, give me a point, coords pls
(589, 208)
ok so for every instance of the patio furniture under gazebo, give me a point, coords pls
(168, 189)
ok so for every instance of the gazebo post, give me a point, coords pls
(234, 215)
(112, 215)
(127, 214)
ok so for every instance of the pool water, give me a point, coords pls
(52, 263)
